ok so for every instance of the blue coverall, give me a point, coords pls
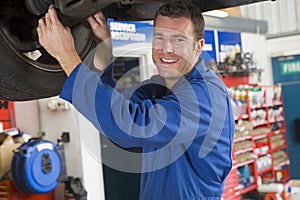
(186, 132)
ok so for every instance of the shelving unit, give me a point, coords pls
(260, 144)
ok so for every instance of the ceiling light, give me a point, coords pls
(216, 13)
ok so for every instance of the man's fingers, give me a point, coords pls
(100, 18)
(53, 15)
(47, 19)
(97, 20)
(93, 23)
(68, 29)
(40, 28)
(41, 25)
(41, 22)
(39, 32)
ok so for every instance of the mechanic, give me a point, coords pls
(182, 118)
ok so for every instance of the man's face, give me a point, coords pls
(174, 50)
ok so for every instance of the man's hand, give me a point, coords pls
(58, 41)
(99, 27)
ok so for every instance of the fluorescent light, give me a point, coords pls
(216, 13)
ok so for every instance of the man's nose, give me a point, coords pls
(168, 46)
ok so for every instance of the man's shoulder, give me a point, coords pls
(207, 76)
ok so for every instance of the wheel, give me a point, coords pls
(27, 71)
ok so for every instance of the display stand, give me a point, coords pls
(260, 154)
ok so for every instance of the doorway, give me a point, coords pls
(121, 184)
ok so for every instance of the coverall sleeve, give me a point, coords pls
(107, 78)
(175, 118)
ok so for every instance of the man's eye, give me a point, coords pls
(179, 40)
(158, 38)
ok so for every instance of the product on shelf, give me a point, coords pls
(261, 146)
(244, 177)
(243, 128)
(256, 96)
(280, 157)
(243, 145)
(238, 99)
(261, 131)
(264, 162)
(244, 157)
(278, 140)
(276, 113)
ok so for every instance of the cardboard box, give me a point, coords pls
(295, 189)
(7, 145)
(295, 183)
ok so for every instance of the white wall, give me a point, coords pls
(91, 158)
(257, 44)
(53, 123)
(283, 46)
(282, 15)
(27, 117)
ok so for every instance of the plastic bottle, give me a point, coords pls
(243, 95)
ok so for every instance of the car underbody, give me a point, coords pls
(25, 77)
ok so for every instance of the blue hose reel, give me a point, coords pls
(36, 167)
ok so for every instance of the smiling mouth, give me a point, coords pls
(168, 60)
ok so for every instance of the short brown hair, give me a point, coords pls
(184, 9)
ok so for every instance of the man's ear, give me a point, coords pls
(199, 45)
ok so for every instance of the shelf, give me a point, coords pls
(274, 104)
(261, 136)
(266, 105)
(245, 116)
(258, 106)
(260, 124)
(237, 73)
(278, 131)
(279, 148)
(264, 170)
(244, 163)
(277, 120)
(243, 151)
(285, 180)
(239, 139)
(278, 167)
(262, 154)
(248, 189)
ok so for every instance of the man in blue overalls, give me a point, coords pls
(181, 118)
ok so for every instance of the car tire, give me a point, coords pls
(22, 78)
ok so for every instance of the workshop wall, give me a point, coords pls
(27, 117)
